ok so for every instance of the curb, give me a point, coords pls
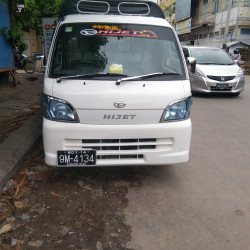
(16, 148)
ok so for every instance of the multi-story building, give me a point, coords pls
(168, 7)
(209, 22)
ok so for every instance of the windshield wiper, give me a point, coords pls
(59, 79)
(212, 63)
(205, 63)
(135, 78)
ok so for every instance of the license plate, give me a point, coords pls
(222, 86)
(75, 158)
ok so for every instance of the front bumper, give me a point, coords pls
(206, 85)
(156, 144)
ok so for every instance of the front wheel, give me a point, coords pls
(29, 67)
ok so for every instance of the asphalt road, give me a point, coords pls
(201, 205)
(204, 204)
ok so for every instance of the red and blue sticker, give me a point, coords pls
(106, 30)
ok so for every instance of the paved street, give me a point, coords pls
(203, 204)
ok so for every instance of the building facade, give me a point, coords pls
(168, 7)
(209, 22)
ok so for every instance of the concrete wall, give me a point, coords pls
(26, 39)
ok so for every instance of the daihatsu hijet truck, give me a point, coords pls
(116, 88)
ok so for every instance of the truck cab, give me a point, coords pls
(116, 87)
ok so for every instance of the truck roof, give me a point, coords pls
(114, 19)
(111, 7)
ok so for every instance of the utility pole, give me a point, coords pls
(227, 23)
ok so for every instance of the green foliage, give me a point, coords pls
(30, 16)
(37, 9)
(18, 21)
(4, 31)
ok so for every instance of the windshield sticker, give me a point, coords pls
(116, 69)
(134, 33)
(68, 29)
(106, 30)
(106, 27)
(88, 32)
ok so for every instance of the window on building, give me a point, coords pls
(204, 10)
(237, 3)
(247, 3)
(217, 5)
(195, 8)
(226, 5)
(245, 31)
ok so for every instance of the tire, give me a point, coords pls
(18, 65)
(29, 67)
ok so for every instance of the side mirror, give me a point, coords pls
(191, 62)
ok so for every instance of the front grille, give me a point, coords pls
(214, 88)
(119, 144)
(221, 78)
(117, 149)
(118, 157)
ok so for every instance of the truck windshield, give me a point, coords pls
(123, 49)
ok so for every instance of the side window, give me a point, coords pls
(172, 61)
(185, 51)
(57, 64)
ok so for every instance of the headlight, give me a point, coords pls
(179, 110)
(58, 110)
(198, 72)
(239, 73)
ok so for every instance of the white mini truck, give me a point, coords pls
(116, 87)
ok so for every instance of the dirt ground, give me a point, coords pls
(70, 208)
(18, 104)
(10, 125)
(52, 208)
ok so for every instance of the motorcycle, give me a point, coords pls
(22, 62)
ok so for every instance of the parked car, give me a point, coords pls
(215, 71)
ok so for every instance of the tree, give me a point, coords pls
(37, 9)
(30, 16)
(18, 21)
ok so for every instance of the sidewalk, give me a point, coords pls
(20, 121)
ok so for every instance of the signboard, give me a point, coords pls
(184, 26)
(6, 58)
(49, 25)
(183, 10)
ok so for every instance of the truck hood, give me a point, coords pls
(97, 102)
